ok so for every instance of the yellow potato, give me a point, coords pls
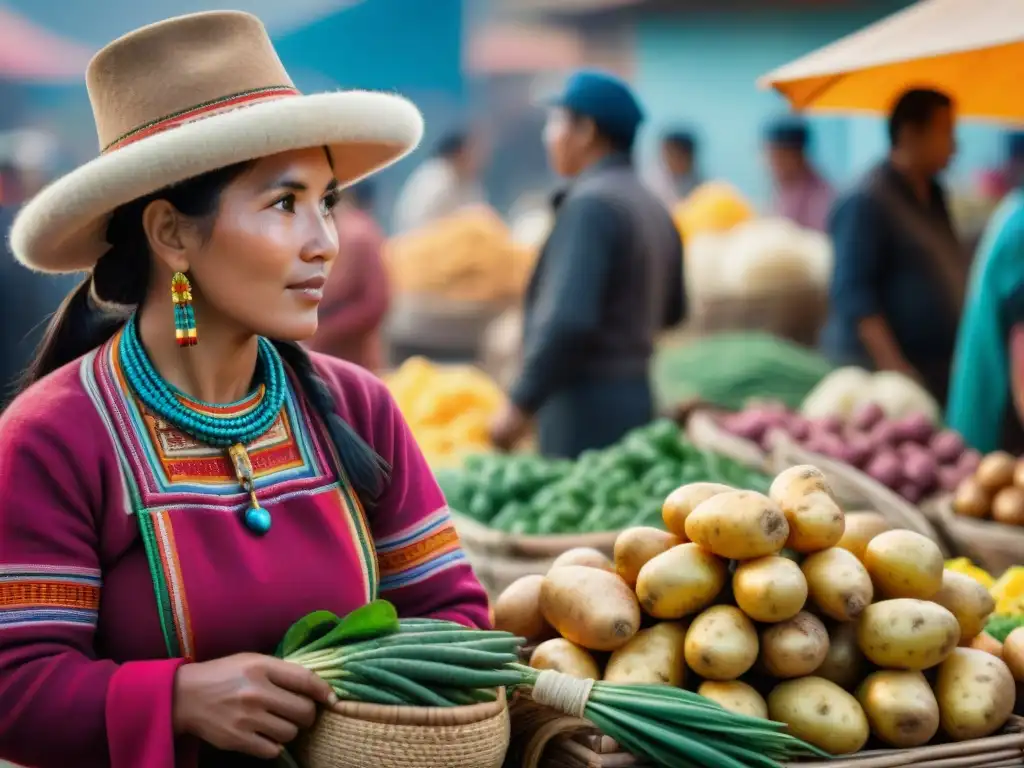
(735, 696)
(901, 708)
(862, 527)
(769, 588)
(821, 713)
(1012, 652)
(976, 694)
(966, 599)
(794, 648)
(517, 609)
(799, 481)
(653, 656)
(721, 643)
(561, 655)
(844, 662)
(684, 580)
(838, 583)
(634, 547)
(683, 500)
(588, 556)
(907, 634)
(738, 525)
(904, 564)
(590, 607)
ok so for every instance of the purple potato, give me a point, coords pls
(885, 434)
(915, 428)
(949, 478)
(947, 446)
(886, 468)
(750, 425)
(968, 461)
(799, 428)
(867, 416)
(921, 470)
(831, 424)
(911, 492)
(859, 448)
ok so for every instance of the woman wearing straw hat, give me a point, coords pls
(179, 481)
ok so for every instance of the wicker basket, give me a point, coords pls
(543, 738)
(796, 315)
(500, 558)
(356, 735)
(855, 490)
(993, 546)
(704, 431)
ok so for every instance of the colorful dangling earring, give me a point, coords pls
(184, 315)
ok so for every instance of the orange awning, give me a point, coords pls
(972, 50)
(28, 52)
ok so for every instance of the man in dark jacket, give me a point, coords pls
(608, 280)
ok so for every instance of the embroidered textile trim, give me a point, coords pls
(417, 553)
(31, 595)
(199, 112)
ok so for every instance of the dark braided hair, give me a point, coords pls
(93, 312)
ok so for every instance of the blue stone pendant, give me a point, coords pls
(257, 520)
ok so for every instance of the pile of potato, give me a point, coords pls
(995, 490)
(777, 606)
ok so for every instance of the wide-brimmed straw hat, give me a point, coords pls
(186, 96)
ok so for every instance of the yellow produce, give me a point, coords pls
(738, 525)
(967, 568)
(839, 585)
(588, 556)
(976, 694)
(907, 634)
(769, 589)
(653, 656)
(862, 527)
(966, 599)
(1008, 592)
(721, 643)
(634, 547)
(448, 408)
(815, 520)
(517, 609)
(679, 582)
(714, 206)
(904, 564)
(901, 708)
(735, 696)
(985, 642)
(794, 648)
(683, 500)
(563, 656)
(590, 607)
(844, 662)
(467, 256)
(821, 713)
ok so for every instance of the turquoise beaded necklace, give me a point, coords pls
(230, 432)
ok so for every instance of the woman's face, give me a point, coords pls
(265, 263)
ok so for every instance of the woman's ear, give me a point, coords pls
(171, 238)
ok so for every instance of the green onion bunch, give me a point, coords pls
(373, 656)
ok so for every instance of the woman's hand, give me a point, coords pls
(247, 703)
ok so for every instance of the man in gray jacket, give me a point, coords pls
(609, 278)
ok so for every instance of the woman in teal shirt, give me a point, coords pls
(987, 381)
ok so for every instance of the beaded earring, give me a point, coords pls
(184, 315)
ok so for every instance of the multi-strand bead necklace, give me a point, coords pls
(233, 432)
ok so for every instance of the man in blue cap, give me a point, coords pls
(801, 194)
(608, 280)
(678, 176)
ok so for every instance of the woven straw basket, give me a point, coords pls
(356, 735)
(544, 738)
(994, 546)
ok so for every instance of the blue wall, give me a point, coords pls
(700, 69)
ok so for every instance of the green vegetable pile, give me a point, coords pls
(373, 656)
(604, 490)
(1000, 626)
(729, 369)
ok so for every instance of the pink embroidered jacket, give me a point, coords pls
(122, 555)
